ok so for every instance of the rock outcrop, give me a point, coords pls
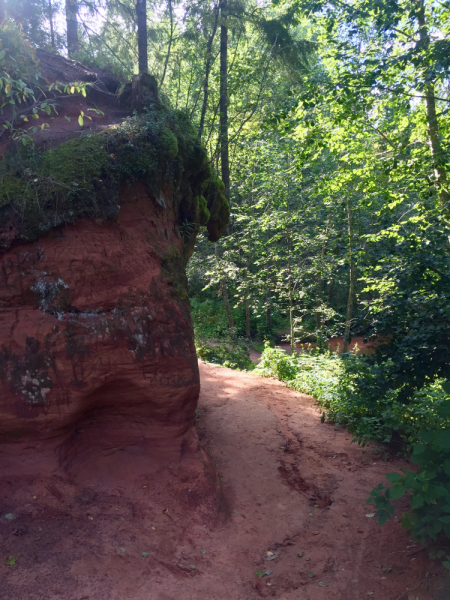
(97, 358)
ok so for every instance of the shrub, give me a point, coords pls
(234, 355)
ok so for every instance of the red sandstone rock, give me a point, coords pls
(97, 355)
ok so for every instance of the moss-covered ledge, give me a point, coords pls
(42, 190)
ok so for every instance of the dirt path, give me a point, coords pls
(293, 487)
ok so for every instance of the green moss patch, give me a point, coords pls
(81, 178)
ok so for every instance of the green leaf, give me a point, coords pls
(11, 560)
(446, 387)
(443, 440)
(80, 121)
(417, 501)
(393, 477)
(397, 491)
(444, 519)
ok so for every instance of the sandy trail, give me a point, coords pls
(291, 486)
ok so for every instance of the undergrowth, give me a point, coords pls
(345, 388)
(227, 353)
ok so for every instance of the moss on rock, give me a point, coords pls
(80, 178)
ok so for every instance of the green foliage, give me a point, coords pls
(428, 486)
(213, 341)
(228, 353)
(209, 319)
(18, 65)
(275, 362)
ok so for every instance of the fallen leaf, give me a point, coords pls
(145, 554)
(192, 567)
(386, 569)
(310, 514)
(268, 583)
(370, 515)
(322, 584)
(143, 487)
(273, 557)
(154, 528)
(269, 553)
(311, 574)
(91, 518)
(300, 554)
(122, 549)
(11, 560)
(166, 511)
(9, 516)
(260, 573)
(268, 572)
(316, 506)
(203, 551)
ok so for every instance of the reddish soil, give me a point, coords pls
(290, 485)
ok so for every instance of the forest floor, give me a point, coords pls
(293, 511)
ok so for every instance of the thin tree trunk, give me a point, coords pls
(290, 294)
(432, 118)
(224, 154)
(247, 316)
(208, 65)
(223, 290)
(50, 18)
(170, 43)
(320, 280)
(72, 27)
(268, 310)
(291, 317)
(351, 290)
(227, 307)
(141, 13)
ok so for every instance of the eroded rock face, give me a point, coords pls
(97, 355)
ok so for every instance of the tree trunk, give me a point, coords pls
(320, 280)
(72, 27)
(50, 18)
(432, 118)
(224, 291)
(170, 44)
(247, 316)
(351, 290)
(208, 65)
(291, 300)
(141, 13)
(223, 101)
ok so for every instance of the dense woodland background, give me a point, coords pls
(328, 122)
